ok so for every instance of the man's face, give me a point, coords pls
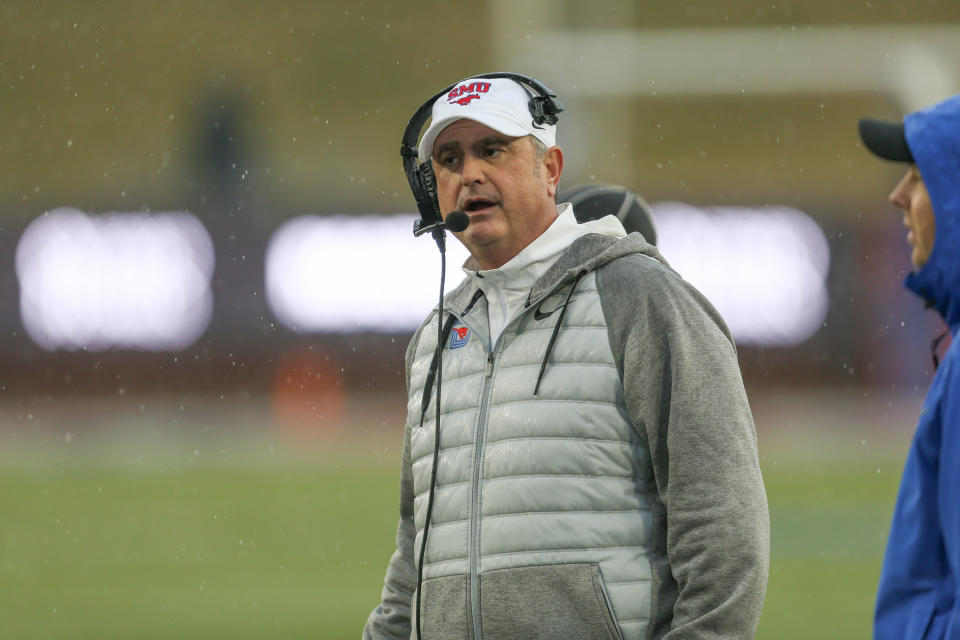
(911, 196)
(501, 185)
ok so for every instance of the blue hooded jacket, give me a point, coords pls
(918, 596)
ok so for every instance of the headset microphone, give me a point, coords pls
(456, 221)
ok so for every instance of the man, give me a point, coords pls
(917, 596)
(594, 201)
(597, 472)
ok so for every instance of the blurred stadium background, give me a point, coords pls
(201, 393)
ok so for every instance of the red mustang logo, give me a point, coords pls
(468, 92)
(459, 337)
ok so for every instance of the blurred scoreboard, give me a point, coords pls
(142, 281)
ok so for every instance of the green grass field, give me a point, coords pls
(828, 531)
(254, 542)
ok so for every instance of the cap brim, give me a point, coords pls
(503, 125)
(885, 139)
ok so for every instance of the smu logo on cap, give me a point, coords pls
(465, 93)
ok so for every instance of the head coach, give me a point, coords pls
(594, 473)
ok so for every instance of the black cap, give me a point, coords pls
(594, 201)
(885, 139)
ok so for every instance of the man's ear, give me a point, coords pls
(552, 168)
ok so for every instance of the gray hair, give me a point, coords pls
(539, 147)
(540, 150)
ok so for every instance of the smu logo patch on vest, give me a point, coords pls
(459, 337)
(464, 93)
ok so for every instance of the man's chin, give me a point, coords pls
(482, 231)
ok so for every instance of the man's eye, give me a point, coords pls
(492, 152)
(448, 161)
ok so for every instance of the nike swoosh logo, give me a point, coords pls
(539, 315)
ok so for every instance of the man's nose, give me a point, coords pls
(472, 170)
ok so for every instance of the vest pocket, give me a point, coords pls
(548, 602)
(606, 598)
(443, 608)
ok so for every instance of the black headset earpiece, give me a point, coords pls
(424, 186)
(423, 182)
(544, 109)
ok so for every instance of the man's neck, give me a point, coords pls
(494, 256)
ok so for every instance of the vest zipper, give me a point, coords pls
(474, 549)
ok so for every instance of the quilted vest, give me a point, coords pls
(524, 479)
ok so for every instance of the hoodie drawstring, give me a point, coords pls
(933, 347)
(432, 372)
(556, 330)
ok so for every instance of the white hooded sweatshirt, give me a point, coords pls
(507, 287)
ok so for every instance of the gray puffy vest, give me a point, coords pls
(541, 522)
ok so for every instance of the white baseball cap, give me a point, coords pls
(499, 103)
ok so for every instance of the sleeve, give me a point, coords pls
(684, 393)
(391, 620)
(916, 591)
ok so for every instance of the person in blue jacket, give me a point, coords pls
(917, 595)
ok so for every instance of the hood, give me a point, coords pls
(933, 136)
(586, 253)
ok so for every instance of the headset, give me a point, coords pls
(544, 109)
